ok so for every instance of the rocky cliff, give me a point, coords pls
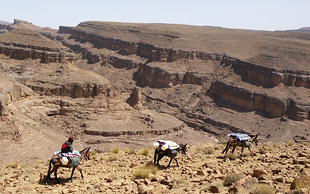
(224, 84)
(23, 43)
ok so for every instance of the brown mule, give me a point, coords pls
(232, 142)
(57, 163)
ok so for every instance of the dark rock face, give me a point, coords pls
(249, 99)
(47, 55)
(267, 75)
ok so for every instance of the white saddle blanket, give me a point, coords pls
(240, 136)
(166, 144)
(74, 153)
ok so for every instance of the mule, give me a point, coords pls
(233, 142)
(160, 153)
(57, 163)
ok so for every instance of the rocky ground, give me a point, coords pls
(274, 168)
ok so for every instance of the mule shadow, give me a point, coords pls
(53, 181)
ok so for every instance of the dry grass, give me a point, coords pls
(113, 157)
(122, 164)
(301, 182)
(144, 151)
(289, 143)
(232, 178)
(93, 154)
(115, 175)
(11, 165)
(129, 151)
(231, 156)
(115, 150)
(208, 150)
(145, 171)
(263, 189)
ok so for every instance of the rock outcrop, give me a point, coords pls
(70, 81)
(29, 44)
(135, 98)
(11, 91)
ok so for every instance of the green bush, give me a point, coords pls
(232, 178)
(263, 189)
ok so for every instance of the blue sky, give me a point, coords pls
(243, 14)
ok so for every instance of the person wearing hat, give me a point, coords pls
(67, 146)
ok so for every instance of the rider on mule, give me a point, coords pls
(67, 146)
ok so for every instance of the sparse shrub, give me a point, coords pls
(129, 151)
(113, 157)
(114, 175)
(24, 165)
(115, 150)
(289, 143)
(11, 165)
(122, 164)
(275, 145)
(144, 151)
(208, 150)
(221, 147)
(246, 154)
(231, 156)
(301, 182)
(270, 148)
(144, 171)
(36, 164)
(93, 154)
(263, 189)
(232, 178)
(181, 183)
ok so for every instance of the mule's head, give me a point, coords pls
(255, 139)
(85, 153)
(183, 148)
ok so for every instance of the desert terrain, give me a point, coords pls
(128, 85)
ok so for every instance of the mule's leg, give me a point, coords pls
(80, 172)
(155, 154)
(49, 171)
(228, 145)
(250, 151)
(241, 151)
(169, 162)
(176, 162)
(226, 148)
(234, 147)
(72, 173)
(55, 173)
(160, 156)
